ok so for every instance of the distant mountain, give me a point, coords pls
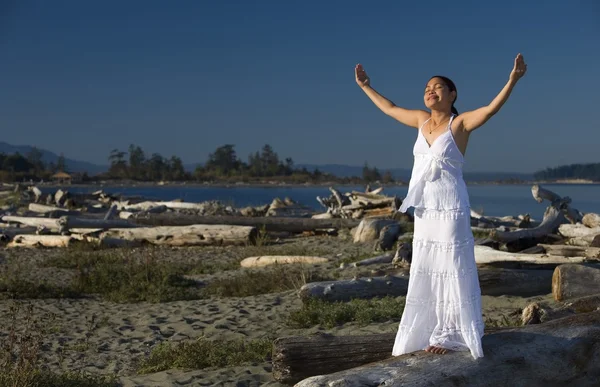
(51, 157)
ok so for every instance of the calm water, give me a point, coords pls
(493, 199)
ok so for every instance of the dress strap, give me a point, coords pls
(450, 122)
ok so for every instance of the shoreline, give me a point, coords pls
(150, 184)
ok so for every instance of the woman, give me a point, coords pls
(443, 302)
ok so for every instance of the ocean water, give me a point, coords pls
(494, 200)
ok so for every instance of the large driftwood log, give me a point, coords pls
(194, 235)
(44, 209)
(574, 281)
(577, 230)
(298, 357)
(24, 240)
(346, 290)
(493, 282)
(295, 225)
(540, 194)
(561, 352)
(45, 223)
(553, 218)
(147, 205)
(486, 255)
(68, 222)
(281, 260)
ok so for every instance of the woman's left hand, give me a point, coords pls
(519, 69)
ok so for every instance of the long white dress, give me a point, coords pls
(443, 303)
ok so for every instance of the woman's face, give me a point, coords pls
(438, 95)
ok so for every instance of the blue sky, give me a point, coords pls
(183, 77)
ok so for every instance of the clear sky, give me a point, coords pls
(183, 77)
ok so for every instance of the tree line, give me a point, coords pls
(223, 164)
(589, 171)
(18, 167)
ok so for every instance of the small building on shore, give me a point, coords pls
(61, 178)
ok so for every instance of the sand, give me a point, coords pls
(102, 337)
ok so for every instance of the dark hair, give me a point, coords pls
(452, 88)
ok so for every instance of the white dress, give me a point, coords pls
(443, 303)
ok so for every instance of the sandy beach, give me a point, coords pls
(102, 337)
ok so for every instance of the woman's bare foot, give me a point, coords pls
(438, 350)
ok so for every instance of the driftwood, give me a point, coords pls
(68, 222)
(577, 230)
(45, 223)
(346, 290)
(487, 255)
(560, 352)
(574, 281)
(537, 313)
(493, 282)
(298, 357)
(44, 209)
(147, 205)
(558, 212)
(295, 225)
(572, 251)
(553, 218)
(386, 258)
(359, 205)
(194, 235)
(40, 241)
(281, 259)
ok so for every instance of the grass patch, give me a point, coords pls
(278, 278)
(120, 276)
(126, 275)
(204, 353)
(20, 362)
(330, 315)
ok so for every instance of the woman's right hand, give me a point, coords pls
(361, 76)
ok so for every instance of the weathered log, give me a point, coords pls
(403, 256)
(281, 260)
(44, 209)
(386, 258)
(583, 241)
(591, 220)
(493, 282)
(577, 230)
(47, 223)
(295, 225)
(487, 255)
(553, 218)
(298, 357)
(24, 240)
(194, 235)
(540, 194)
(69, 222)
(346, 290)
(574, 281)
(571, 251)
(560, 352)
(368, 230)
